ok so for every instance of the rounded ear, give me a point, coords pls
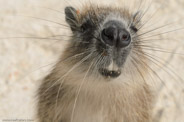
(71, 17)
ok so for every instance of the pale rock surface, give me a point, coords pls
(24, 61)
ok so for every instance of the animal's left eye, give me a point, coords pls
(134, 28)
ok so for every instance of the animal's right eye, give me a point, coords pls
(86, 26)
(134, 28)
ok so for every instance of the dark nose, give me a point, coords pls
(114, 35)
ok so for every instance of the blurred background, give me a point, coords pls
(28, 50)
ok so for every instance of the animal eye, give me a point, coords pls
(86, 26)
(134, 28)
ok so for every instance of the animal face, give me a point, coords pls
(107, 35)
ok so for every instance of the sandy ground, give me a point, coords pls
(23, 61)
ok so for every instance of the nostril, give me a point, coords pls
(109, 34)
(124, 37)
(115, 36)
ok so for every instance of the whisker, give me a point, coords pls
(152, 30)
(153, 40)
(51, 9)
(141, 17)
(162, 33)
(157, 59)
(63, 77)
(79, 63)
(76, 55)
(134, 61)
(44, 66)
(161, 51)
(49, 38)
(78, 91)
(45, 20)
(151, 69)
(148, 46)
(56, 27)
(94, 69)
(149, 19)
(154, 72)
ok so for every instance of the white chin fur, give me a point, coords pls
(113, 67)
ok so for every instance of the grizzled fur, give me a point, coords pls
(75, 91)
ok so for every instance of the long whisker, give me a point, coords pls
(152, 30)
(161, 51)
(156, 59)
(151, 69)
(45, 20)
(78, 92)
(141, 17)
(95, 66)
(149, 19)
(63, 77)
(66, 59)
(48, 38)
(51, 9)
(154, 72)
(57, 11)
(148, 46)
(67, 72)
(153, 40)
(135, 63)
(163, 33)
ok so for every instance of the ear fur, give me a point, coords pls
(71, 17)
(136, 15)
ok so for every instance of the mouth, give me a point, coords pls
(109, 73)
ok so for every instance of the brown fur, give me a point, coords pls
(130, 103)
(100, 99)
